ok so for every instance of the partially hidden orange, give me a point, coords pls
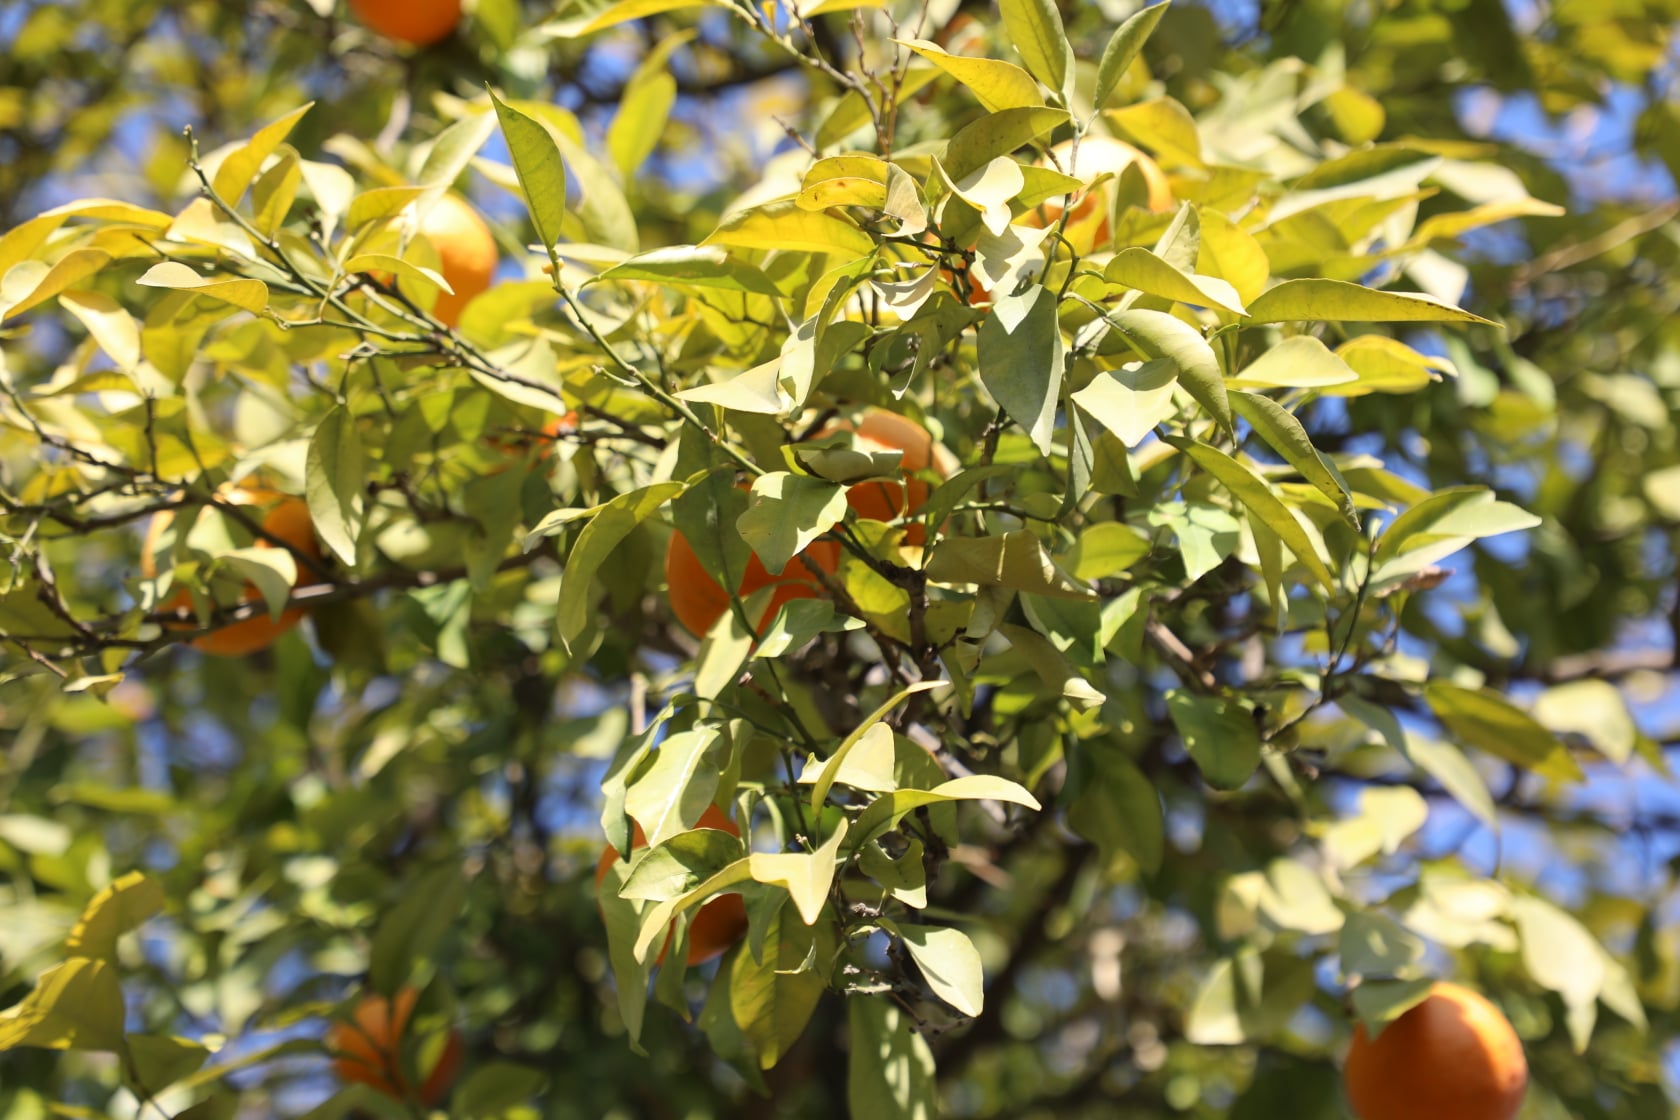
(720, 922)
(368, 1050)
(699, 601)
(1452, 1057)
(1088, 224)
(882, 430)
(467, 254)
(284, 518)
(419, 23)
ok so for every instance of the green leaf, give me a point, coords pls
(626, 10)
(158, 1061)
(1299, 362)
(1295, 898)
(1442, 524)
(542, 173)
(1219, 734)
(1595, 710)
(905, 878)
(1373, 944)
(1155, 334)
(595, 546)
(772, 1000)
(109, 324)
(273, 571)
(1261, 500)
(1035, 29)
(1441, 761)
(410, 932)
(630, 967)
(1133, 400)
(886, 811)
(33, 282)
(949, 963)
(1285, 435)
(1052, 668)
(673, 793)
(1378, 1003)
(890, 1074)
(645, 107)
(694, 266)
(683, 862)
(1384, 365)
(1385, 818)
(1015, 560)
(867, 735)
(1143, 271)
(1563, 957)
(1123, 46)
(786, 225)
(1206, 534)
(806, 875)
(1117, 809)
(241, 165)
(1216, 1013)
(1106, 549)
(77, 1005)
(998, 85)
(248, 295)
(1486, 720)
(333, 483)
(1021, 359)
(1337, 301)
(996, 134)
(493, 1090)
(114, 911)
(787, 513)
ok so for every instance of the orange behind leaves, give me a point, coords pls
(699, 601)
(1088, 223)
(720, 922)
(368, 1049)
(467, 254)
(287, 519)
(882, 430)
(416, 22)
(1452, 1057)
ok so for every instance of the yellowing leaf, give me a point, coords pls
(998, 85)
(785, 225)
(251, 295)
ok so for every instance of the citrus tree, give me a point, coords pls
(674, 559)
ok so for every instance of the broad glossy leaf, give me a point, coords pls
(1219, 734)
(1021, 360)
(1155, 334)
(1337, 301)
(1143, 271)
(542, 173)
(670, 796)
(806, 875)
(787, 513)
(1299, 362)
(1015, 560)
(606, 530)
(242, 164)
(1035, 29)
(333, 482)
(1484, 719)
(77, 1005)
(246, 294)
(890, 1073)
(948, 962)
(1133, 400)
(1285, 435)
(1123, 46)
(118, 909)
(788, 226)
(1261, 500)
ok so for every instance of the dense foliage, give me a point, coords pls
(1157, 534)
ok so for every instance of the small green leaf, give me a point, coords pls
(333, 482)
(1117, 809)
(114, 911)
(1219, 734)
(676, 789)
(1133, 400)
(1035, 29)
(806, 875)
(595, 546)
(1562, 956)
(867, 735)
(949, 963)
(787, 513)
(1021, 359)
(242, 164)
(1285, 435)
(1123, 46)
(1155, 334)
(542, 173)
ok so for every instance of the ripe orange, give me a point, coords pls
(1088, 224)
(699, 601)
(418, 22)
(1452, 1057)
(285, 518)
(368, 1049)
(514, 445)
(882, 430)
(466, 251)
(720, 922)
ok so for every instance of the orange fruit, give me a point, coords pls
(1088, 223)
(514, 445)
(368, 1049)
(883, 430)
(699, 601)
(1452, 1057)
(283, 517)
(417, 22)
(720, 922)
(467, 254)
